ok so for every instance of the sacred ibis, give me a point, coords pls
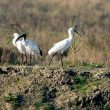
(19, 45)
(32, 48)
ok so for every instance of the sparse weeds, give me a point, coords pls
(8, 57)
(79, 81)
(38, 104)
(48, 106)
(17, 80)
(106, 107)
(45, 100)
(44, 8)
(92, 65)
(44, 103)
(83, 84)
(91, 85)
(49, 21)
(15, 100)
(45, 106)
(68, 63)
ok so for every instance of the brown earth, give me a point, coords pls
(54, 88)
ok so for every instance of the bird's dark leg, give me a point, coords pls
(52, 58)
(34, 59)
(41, 59)
(22, 59)
(26, 59)
(30, 60)
(61, 59)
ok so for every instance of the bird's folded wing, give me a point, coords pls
(33, 46)
(61, 42)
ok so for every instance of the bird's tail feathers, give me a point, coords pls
(41, 53)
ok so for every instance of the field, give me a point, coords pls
(54, 88)
(47, 22)
(83, 83)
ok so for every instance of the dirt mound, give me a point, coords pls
(54, 88)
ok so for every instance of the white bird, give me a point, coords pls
(32, 48)
(19, 45)
(63, 45)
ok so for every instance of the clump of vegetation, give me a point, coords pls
(79, 81)
(106, 107)
(45, 106)
(48, 106)
(45, 99)
(15, 100)
(38, 104)
(8, 56)
(92, 65)
(83, 84)
(47, 25)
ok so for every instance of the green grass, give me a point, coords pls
(68, 64)
(17, 80)
(91, 85)
(92, 65)
(38, 104)
(45, 106)
(79, 81)
(106, 107)
(48, 106)
(85, 85)
(15, 100)
(83, 65)
(43, 102)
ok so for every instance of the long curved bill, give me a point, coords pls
(23, 35)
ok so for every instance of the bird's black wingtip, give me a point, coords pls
(41, 52)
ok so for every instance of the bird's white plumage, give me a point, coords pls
(18, 43)
(61, 46)
(31, 47)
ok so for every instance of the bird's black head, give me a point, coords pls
(22, 35)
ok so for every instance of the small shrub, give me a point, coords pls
(106, 107)
(93, 65)
(48, 106)
(17, 80)
(44, 98)
(38, 104)
(79, 81)
(15, 100)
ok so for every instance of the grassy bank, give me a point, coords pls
(47, 22)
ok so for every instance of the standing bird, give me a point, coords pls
(18, 44)
(63, 45)
(32, 48)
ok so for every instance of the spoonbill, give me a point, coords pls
(19, 45)
(32, 48)
(61, 46)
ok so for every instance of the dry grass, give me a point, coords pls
(48, 21)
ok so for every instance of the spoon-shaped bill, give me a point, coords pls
(77, 32)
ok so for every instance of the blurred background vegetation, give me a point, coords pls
(47, 21)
